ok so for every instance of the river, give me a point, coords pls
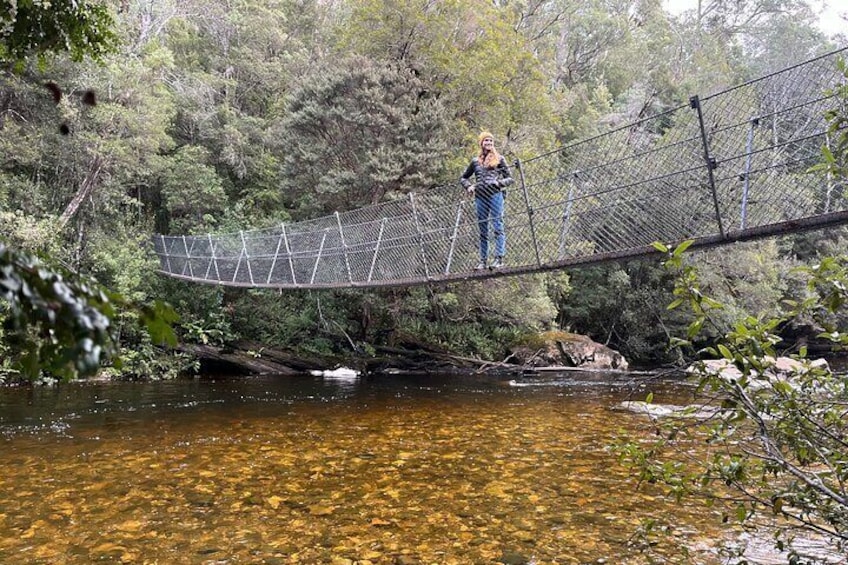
(390, 469)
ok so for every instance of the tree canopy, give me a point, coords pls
(223, 116)
(39, 28)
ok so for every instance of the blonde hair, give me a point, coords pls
(491, 159)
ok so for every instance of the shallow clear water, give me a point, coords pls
(395, 469)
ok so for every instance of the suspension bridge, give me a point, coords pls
(727, 167)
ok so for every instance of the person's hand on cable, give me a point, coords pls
(468, 186)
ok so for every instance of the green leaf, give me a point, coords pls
(694, 328)
(681, 249)
(741, 513)
(714, 304)
(782, 387)
(725, 352)
(828, 154)
(675, 303)
(158, 320)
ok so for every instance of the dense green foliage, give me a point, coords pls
(59, 324)
(220, 116)
(354, 134)
(777, 434)
(40, 27)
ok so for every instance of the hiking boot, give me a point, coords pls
(480, 266)
(498, 263)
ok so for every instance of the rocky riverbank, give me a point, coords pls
(549, 350)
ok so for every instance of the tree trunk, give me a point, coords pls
(86, 188)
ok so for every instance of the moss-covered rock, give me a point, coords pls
(565, 349)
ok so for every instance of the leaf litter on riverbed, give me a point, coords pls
(437, 483)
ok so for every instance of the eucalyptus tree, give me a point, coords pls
(470, 56)
(786, 40)
(720, 37)
(234, 64)
(729, 18)
(608, 62)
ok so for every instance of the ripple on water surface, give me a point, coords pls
(310, 470)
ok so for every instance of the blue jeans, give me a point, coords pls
(491, 207)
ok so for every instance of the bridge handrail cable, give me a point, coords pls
(664, 177)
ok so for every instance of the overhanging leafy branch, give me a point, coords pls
(60, 323)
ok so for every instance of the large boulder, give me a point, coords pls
(565, 349)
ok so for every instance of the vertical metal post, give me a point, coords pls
(695, 103)
(828, 177)
(420, 236)
(166, 252)
(188, 258)
(246, 256)
(213, 260)
(453, 236)
(746, 176)
(344, 247)
(289, 253)
(530, 211)
(212, 256)
(318, 258)
(276, 254)
(376, 249)
(566, 213)
(238, 263)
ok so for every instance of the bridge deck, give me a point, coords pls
(727, 167)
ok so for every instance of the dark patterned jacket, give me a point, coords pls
(488, 181)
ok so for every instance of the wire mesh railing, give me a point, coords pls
(729, 166)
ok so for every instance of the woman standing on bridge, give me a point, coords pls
(492, 175)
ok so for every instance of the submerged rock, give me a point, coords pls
(513, 558)
(666, 410)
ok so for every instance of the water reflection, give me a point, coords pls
(400, 469)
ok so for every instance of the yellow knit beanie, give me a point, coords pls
(482, 136)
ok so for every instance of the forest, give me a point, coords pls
(120, 120)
